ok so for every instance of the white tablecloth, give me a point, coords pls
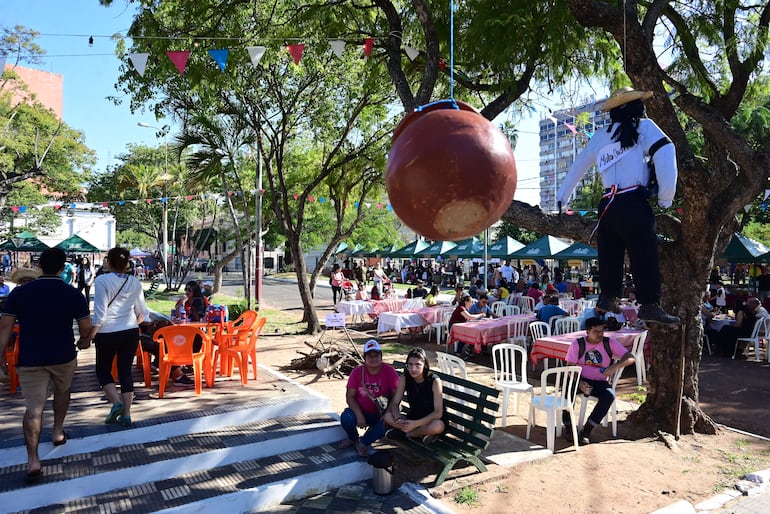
(717, 324)
(354, 307)
(399, 320)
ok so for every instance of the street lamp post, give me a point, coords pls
(164, 179)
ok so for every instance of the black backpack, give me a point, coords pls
(582, 347)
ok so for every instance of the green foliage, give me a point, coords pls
(467, 496)
(130, 238)
(758, 231)
(522, 235)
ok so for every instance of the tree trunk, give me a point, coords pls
(305, 291)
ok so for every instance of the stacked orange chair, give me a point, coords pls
(177, 349)
(225, 337)
(243, 345)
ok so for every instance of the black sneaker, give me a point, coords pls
(652, 313)
(566, 433)
(608, 305)
(395, 434)
(584, 438)
(184, 380)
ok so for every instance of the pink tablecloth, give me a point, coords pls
(484, 332)
(556, 347)
(629, 312)
(433, 314)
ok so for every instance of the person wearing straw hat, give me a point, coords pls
(624, 154)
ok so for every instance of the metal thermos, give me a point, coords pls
(382, 471)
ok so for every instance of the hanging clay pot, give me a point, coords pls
(450, 173)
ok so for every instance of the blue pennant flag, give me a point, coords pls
(220, 57)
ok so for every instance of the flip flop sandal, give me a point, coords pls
(61, 441)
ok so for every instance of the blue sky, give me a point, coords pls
(91, 72)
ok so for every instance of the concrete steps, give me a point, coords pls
(245, 456)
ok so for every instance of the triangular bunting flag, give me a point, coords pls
(255, 54)
(338, 46)
(764, 207)
(368, 44)
(747, 207)
(583, 213)
(412, 53)
(767, 193)
(571, 128)
(139, 60)
(179, 59)
(296, 52)
(220, 57)
(15, 208)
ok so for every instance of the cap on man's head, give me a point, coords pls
(372, 346)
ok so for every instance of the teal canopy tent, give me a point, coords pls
(504, 247)
(437, 248)
(340, 248)
(578, 251)
(24, 242)
(742, 249)
(468, 249)
(76, 244)
(410, 250)
(544, 248)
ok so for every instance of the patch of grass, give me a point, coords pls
(637, 397)
(467, 496)
(501, 488)
(737, 464)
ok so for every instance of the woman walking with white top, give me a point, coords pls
(118, 309)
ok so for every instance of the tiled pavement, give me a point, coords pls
(185, 449)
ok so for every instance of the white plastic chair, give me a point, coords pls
(553, 320)
(451, 365)
(612, 414)
(539, 330)
(517, 332)
(526, 304)
(759, 332)
(498, 307)
(441, 326)
(566, 325)
(638, 351)
(511, 310)
(504, 357)
(569, 305)
(566, 380)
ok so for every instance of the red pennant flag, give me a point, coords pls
(310, 198)
(104, 204)
(57, 207)
(15, 208)
(441, 64)
(179, 59)
(368, 44)
(262, 190)
(296, 51)
(149, 200)
(229, 193)
(680, 211)
(379, 206)
(295, 196)
(189, 197)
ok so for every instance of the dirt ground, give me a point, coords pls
(633, 473)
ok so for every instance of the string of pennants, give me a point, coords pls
(220, 56)
(205, 196)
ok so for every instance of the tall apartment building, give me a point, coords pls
(560, 144)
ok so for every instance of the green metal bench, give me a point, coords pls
(153, 289)
(471, 413)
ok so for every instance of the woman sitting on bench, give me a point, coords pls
(426, 404)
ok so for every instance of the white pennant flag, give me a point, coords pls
(747, 207)
(412, 53)
(367, 204)
(139, 60)
(338, 46)
(767, 193)
(255, 53)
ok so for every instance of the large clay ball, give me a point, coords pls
(451, 173)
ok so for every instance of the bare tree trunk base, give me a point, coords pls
(694, 420)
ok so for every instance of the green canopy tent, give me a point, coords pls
(544, 248)
(468, 249)
(340, 248)
(76, 244)
(410, 250)
(383, 252)
(362, 251)
(578, 251)
(742, 249)
(28, 243)
(436, 249)
(504, 247)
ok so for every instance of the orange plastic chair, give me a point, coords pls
(176, 349)
(246, 319)
(12, 358)
(243, 346)
(143, 360)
